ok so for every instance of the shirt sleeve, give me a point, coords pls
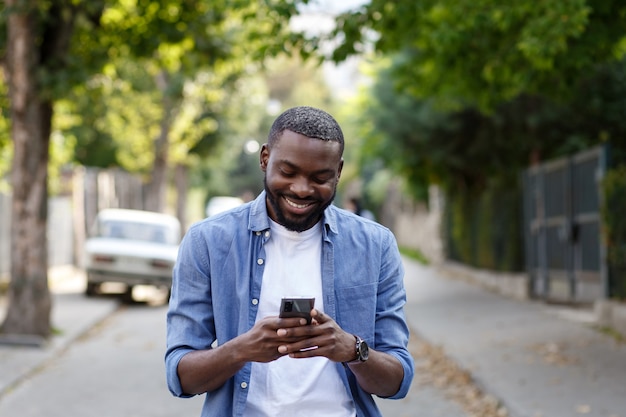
(189, 317)
(392, 331)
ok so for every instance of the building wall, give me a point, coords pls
(418, 226)
(5, 231)
(59, 233)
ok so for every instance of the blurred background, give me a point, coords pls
(484, 133)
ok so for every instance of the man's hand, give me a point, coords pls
(262, 342)
(323, 337)
(205, 370)
(381, 374)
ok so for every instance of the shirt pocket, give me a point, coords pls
(356, 310)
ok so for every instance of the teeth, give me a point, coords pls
(292, 204)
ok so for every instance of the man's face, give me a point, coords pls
(301, 176)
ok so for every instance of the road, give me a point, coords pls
(115, 370)
(530, 359)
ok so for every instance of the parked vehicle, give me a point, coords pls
(220, 203)
(133, 247)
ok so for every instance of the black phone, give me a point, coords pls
(297, 307)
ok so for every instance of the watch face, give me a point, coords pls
(364, 351)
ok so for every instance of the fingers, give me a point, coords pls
(299, 340)
(304, 349)
(324, 338)
(267, 335)
(291, 322)
(319, 317)
(304, 341)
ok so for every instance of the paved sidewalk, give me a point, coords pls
(72, 316)
(538, 360)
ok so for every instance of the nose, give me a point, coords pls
(301, 187)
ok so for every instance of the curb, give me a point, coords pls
(509, 284)
(72, 314)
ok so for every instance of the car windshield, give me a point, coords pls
(129, 230)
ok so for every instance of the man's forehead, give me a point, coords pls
(290, 139)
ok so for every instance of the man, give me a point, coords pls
(224, 336)
(353, 204)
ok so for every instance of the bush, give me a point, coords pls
(484, 230)
(614, 222)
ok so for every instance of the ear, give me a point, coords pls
(339, 170)
(264, 157)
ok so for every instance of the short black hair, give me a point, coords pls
(307, 121)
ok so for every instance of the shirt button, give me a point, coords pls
(244, 385)
(255, 301)
(259, 261)
(267, 233)
(258, 233)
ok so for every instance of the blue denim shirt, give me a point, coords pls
(217, 284)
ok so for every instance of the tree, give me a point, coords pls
(484, 52)
(477, 158)
(31, 43)
(47, 49)
(5, 137)
(218, 43)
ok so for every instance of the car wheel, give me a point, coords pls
(92, 289)
(127, 296)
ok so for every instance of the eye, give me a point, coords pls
(322, 180)
(287, 174)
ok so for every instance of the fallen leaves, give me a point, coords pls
(553, 354)
(434, 368)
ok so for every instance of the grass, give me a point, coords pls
(611, 332)
(414, 254)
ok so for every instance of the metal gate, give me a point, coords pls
(565, 254)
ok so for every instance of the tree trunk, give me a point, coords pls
(155, 198)
(29, 297)
(182, 191)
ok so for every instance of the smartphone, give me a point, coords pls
(297, 307)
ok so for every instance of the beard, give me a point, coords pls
(293, 224)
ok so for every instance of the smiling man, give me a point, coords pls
(225, 338)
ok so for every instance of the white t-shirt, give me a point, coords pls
(295, 387)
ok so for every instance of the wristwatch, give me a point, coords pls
(362, 350)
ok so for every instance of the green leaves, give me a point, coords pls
(111, 103)
(465, 148)
(484, 52)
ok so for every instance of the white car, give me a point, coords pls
(221, 203)
(133, 247)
